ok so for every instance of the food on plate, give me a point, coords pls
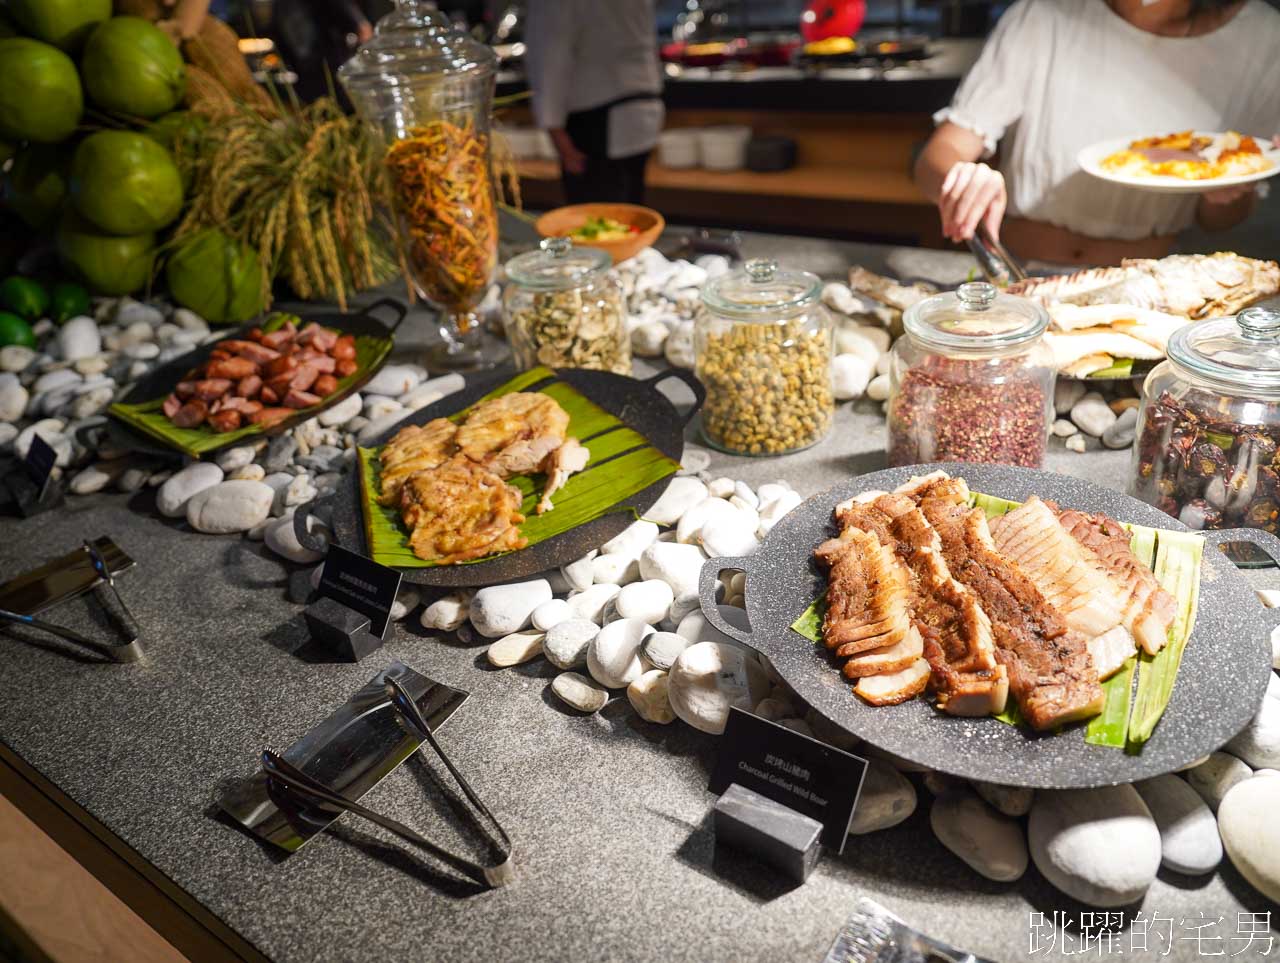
(262, 378)
(1088, 338)
(603, 229)
(450, 480)
(461, 511)
(1192, 286)
(1189, 156)
(1040, 604)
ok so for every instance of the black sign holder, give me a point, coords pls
(783, 793)
(353, 614)
(31, 485)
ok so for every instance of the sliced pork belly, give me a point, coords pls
(1068, 575)
(888, 659)
(1110, 651)
(867, 597)
(1149, 610)
(1050, 673)
(896, 687)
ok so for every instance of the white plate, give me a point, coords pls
(1090, 160)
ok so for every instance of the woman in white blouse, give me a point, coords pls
(1058, 75)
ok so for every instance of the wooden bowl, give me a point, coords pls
(564, 220)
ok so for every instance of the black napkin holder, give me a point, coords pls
(775, 834)
(343, 630)
(28, 497)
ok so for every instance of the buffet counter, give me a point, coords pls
(610, 816)
(856, 131)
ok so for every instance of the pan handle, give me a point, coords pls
(711, 570)
(690, 379)
(302, 531)
(1269, 544)
(400, 309)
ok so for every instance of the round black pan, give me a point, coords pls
(160, 382)
(1220, 685)
(637, 404)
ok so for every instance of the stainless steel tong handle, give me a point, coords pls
(997, 264)
(129, 652)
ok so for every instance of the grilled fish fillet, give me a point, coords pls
(1068, 575)
(1191, 285)
(867, 594)
(1050, 673)
(413, 449)
(1149, 610)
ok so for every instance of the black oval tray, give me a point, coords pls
(637, 404)
(1220, 685)
(159, 382)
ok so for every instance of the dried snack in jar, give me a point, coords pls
(571, 329)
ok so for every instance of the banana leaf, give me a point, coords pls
(622, 463)
(1127, 720)
(149, 418)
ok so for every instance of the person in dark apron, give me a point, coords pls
(593, 68)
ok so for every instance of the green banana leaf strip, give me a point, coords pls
(622, 463)
(149, 418)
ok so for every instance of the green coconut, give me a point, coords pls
(36, 184)
(40, 95)
(217, 277)
(131, 67)
(125, 183)
(107, 264)
(63, 23)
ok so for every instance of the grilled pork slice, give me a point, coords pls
(887, 659)
(1068, 575)
(1150, 610)
(1050, 673)
(981, 693)
(889, 690)
(867, 595)
(1110, 651)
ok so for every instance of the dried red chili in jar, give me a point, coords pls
(971, 381)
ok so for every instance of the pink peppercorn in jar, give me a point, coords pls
(971, 381)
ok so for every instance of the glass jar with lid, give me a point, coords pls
(1209, 424)
(427, 88)
(763, 351)
(564, 309)
(972, 380)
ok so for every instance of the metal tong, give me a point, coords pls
(998, 265)
(130, 651)
(407, 709)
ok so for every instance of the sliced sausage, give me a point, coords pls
(283, 364)
(280, 384)
(234, 368)
(267, 396)
(171, 406)
(251, 350)
(191, 414)
(300, 399)
(226, 420)
(304, 377)
(211, 388)
(249, 386)
(344, 347)
(269, 416)
(347, 366)
(325, 385)
(185, 389)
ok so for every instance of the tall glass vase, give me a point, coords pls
(428, 90)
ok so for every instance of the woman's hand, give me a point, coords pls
(571, 159)
(971, 193)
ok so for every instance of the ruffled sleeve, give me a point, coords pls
(991, 96)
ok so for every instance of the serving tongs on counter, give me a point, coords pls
(57, 582)
(294, 779)
(998, 266)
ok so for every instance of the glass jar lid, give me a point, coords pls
(975, 317)
(1234, 353)
(413, 40)
(558, 265)
(760, 291)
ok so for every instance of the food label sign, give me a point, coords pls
(800, 773)
(40, 461)
(360, 584)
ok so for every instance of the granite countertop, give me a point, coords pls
(610, 815)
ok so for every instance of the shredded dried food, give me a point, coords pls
(949, 409)
(573, 328)
(443, 192)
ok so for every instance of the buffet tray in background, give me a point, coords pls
(1223, 677)
(637, 404)
(130, 430)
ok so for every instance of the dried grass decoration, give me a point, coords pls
(301, 185)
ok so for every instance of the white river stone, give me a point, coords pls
(648, 696)
(1189, 840)
(393, 380)
(229, 506)
(578, 572)
(551, 613)
(1092, 414)
(993, 845)
(590, 604)
(1258, 743)
(1099, 846)
(1213, 778)
(342, 412)
(282, 540)
(682, 493)
(648, 601)
(677, 565)
(13, 398)
(515, 648)
(850, 375)
(1010, 800)
(886, 799)
(79, 338)
(663, 648)
(613, 657)
(709, 678)
(565, 645)
(1251, 832)
(174, 494)
(579, 692)
(631, 541)
(502, 609)
(229, 459)
(614, 569)
(447, 613)
(690, 528)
